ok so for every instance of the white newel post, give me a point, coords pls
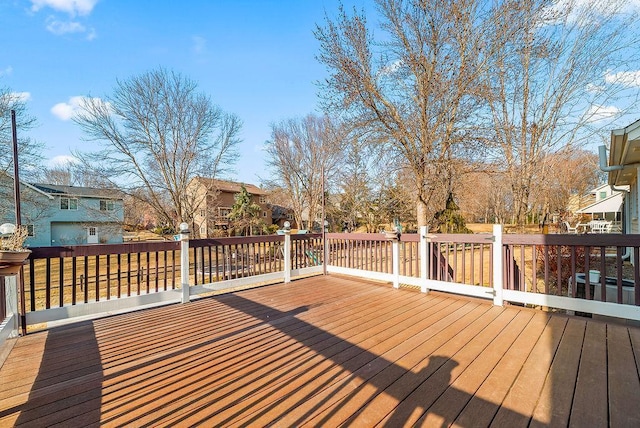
(395, 255)
(184, 261)
(287, 255)
(424, 258)
(11, 295)
(498, 265)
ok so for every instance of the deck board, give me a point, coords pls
(325, 351)
(624, 385)
(590, 398)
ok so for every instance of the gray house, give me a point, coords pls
(65, 215)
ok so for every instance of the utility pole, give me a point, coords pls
(16, 176)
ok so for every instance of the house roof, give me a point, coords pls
(77, 191)
(231, 186)
(599, 188)
(278, 211)
(625, 151)
(611, 204)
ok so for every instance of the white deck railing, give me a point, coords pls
(538, 270)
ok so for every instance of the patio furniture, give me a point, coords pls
(569, 228)
(599, 226)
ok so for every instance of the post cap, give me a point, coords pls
(7, 229)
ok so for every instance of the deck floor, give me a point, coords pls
(326, 351)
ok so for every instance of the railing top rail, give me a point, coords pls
(233, 240)
(305, 236)
(102, 249)
(480, 238)
(461, 238)
(593, 240)
(363, 236)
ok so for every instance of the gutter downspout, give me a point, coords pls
(602, 154)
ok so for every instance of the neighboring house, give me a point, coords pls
(281, 214)
(66, 215)
(623, 169)
(214, 200)
(605, 203)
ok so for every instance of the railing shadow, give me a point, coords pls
(435, 376)
(215, 403)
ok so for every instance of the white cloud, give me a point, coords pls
(391, 68)
(584, 12)
(7, 71)
(199, 45)
(630, 79)
(21, 96)
(16, 97)
(91, 34)
(595, 89)
(66, 111)
(597, 113)
(64, 27)
(61, 160)
(72, 7)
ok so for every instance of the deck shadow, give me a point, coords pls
(436, 375)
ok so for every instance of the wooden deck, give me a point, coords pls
(326, 351)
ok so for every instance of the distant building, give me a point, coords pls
(214, 200)
(604, 204)
(280, 214)
(64, 215)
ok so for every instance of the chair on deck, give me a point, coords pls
(599, 226)
(569, 228)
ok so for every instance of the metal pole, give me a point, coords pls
(16, 194)
(16, 176)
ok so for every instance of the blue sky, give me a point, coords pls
(254, 58)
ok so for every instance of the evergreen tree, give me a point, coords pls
(449, 220)
(244, 213)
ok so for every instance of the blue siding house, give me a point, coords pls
(67, 215)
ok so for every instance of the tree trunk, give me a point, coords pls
(421, 210)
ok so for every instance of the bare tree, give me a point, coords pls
(301, 152)
(157, 132)
(29, 157)
(29, 151)
(60, 174)
(552, 192)
(354, 183)
(416, 87)
(553, 80)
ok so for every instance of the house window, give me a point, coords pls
(107, 205)
(262, 200)
(30, 230)
(603, 195)
(264, 213)
(289, 216)
(92, 231)
(68, 204)
(202, 213)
